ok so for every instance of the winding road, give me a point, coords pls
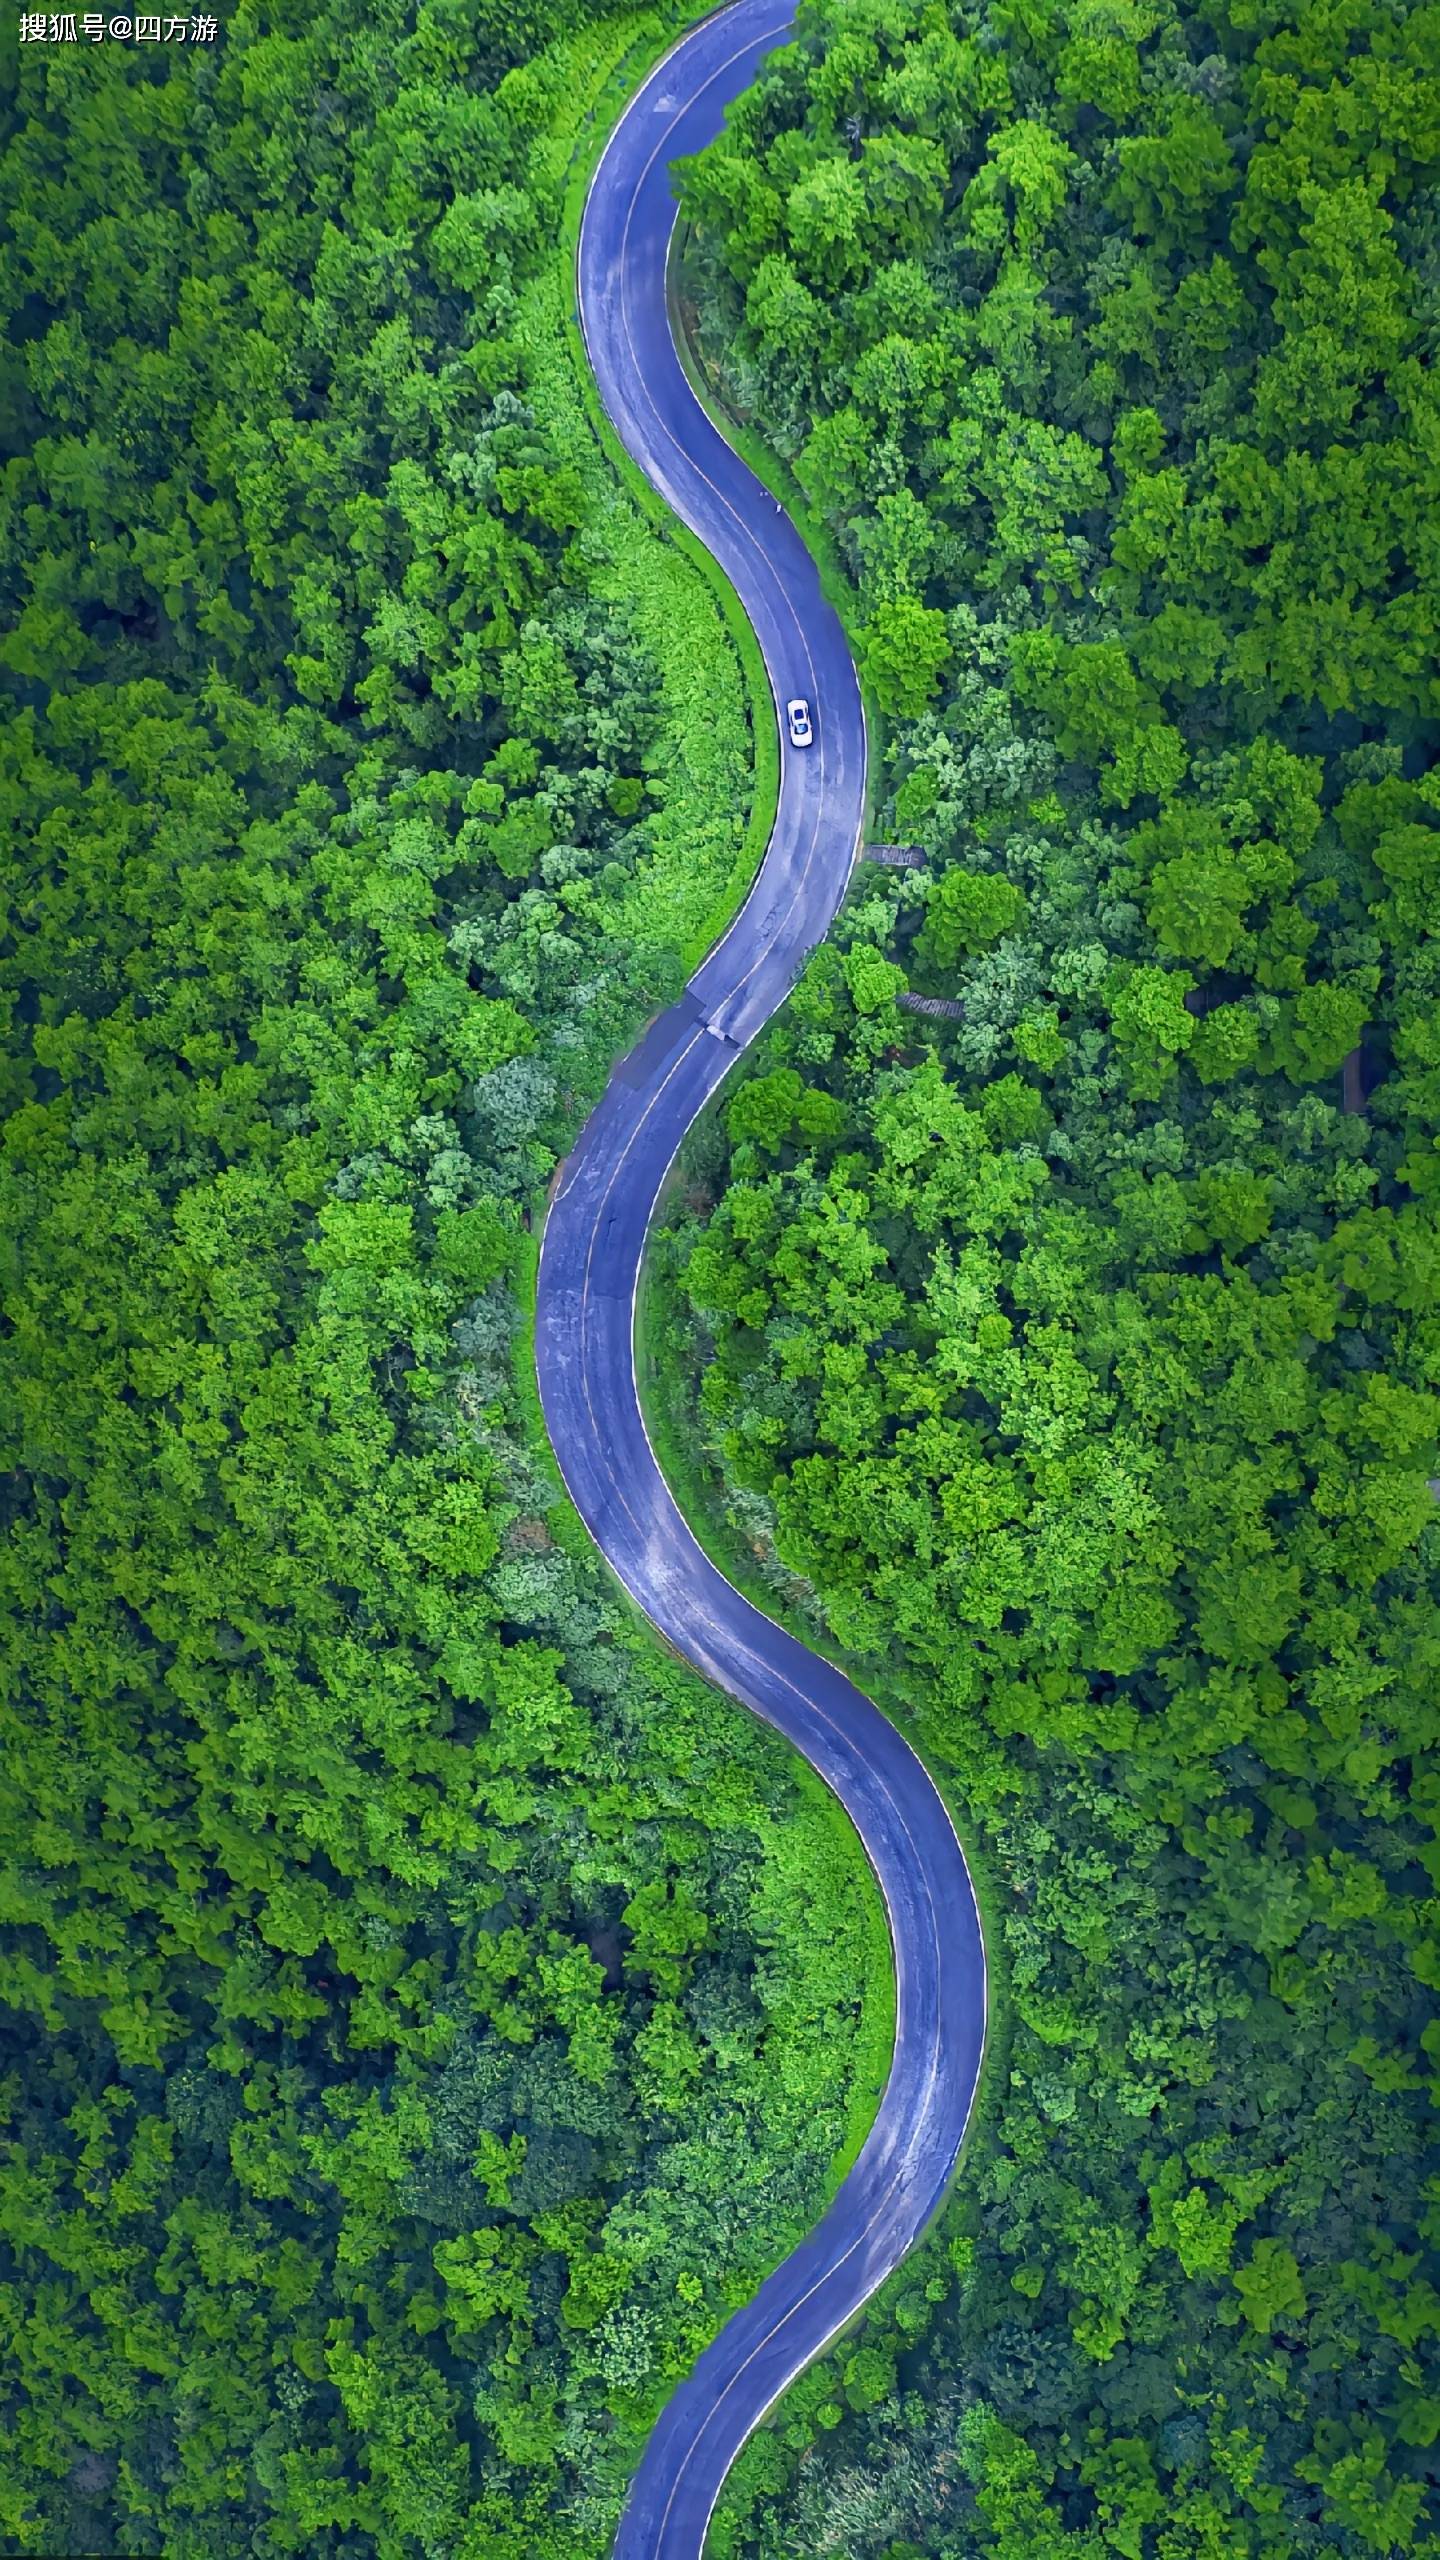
(589, 1271)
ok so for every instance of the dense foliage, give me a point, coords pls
(1080, 1354)
(415, 2032)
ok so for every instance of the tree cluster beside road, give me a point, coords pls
(1075, 1362)
(424, 2009)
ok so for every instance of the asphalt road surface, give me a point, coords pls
(589, 1268)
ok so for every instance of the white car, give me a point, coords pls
(797, 720)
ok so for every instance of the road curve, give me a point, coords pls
(589, 1271)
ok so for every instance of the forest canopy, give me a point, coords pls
(1072, 1353)
(414, 2030)
(426, 2010)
